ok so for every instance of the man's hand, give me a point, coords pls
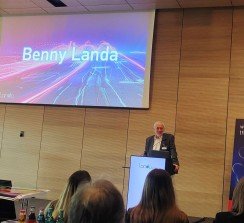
(176, 168)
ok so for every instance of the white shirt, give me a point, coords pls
(157, 143)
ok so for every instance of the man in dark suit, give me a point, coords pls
(162, 142)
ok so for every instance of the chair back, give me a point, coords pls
(7, 208)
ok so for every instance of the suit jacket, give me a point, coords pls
(168, 141)
(228, 217)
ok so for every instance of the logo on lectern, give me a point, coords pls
(146, 166)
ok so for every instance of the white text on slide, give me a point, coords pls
(74, 54)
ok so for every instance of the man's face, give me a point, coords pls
(159, 129)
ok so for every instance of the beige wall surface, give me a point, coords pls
(197, 80)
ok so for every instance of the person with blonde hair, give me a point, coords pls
(100, 202)
(157, 204)
(76, 180)
(237, 213)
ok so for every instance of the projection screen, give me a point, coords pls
(77, 60)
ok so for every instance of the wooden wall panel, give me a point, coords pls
(204, 3)
(61, 147)
(166, 4)
(202, 109)
(2, 118)
(237, 2)
(206, 43)
(237, 57)
(236, 94)
(20, 155)
(202, 106)
(166, 45)
(104, 145)
(201, 173)
(194, 201)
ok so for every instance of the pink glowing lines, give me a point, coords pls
(133, 62)
(51, 88)
(22, 69)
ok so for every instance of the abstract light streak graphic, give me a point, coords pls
(74, 82)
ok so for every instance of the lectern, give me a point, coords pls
(166, 155)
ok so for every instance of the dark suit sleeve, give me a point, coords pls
(172, 149)
(146, 147)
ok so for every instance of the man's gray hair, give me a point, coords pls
(158, 122)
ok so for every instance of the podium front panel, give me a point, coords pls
(139, 168)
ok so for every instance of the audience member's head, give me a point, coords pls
(158, 190)
(76, 180)
(158, 200)
(100, 202)
(238, 198)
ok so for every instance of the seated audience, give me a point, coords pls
(157, 204)
(76, 180)
(100, 202)
(237, 213)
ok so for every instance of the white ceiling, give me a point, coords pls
(17, 7)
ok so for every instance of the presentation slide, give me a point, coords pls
(139, 168)
(77, 60)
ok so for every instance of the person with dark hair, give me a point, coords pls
(100, 202)
(164, 142)
(237, 213)
(76, 180)
(157, 204)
